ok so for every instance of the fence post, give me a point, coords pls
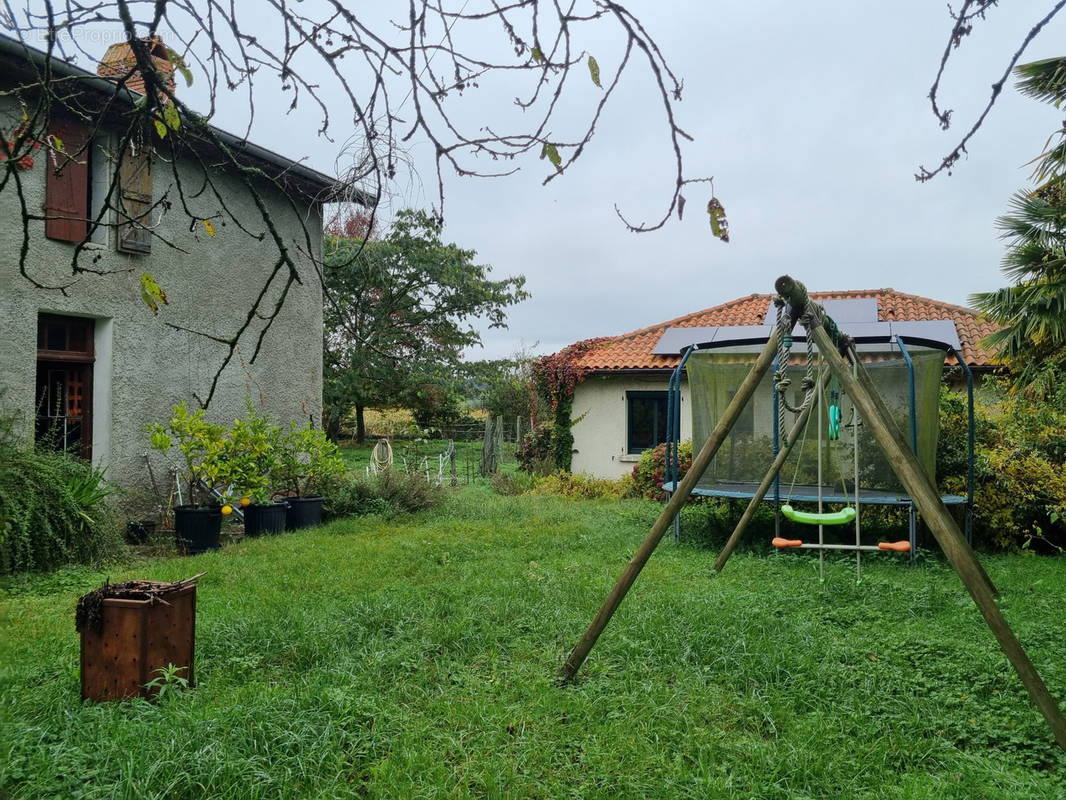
(487, 448)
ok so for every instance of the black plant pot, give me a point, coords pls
(303, 512)
(138, 531)
(197, 528)
(260, 519)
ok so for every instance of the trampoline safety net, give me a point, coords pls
(748, 451)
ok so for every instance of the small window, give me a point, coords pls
(64, 335)
(645, 420)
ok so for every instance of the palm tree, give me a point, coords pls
(1033, 310)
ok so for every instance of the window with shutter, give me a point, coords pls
(135, 193)
(66, 196)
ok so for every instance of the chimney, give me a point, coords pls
(119, 61)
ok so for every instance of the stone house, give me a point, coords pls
(84, 359)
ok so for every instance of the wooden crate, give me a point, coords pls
(137, 638)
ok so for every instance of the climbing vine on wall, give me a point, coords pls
(555, 377)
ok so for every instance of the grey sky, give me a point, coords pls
(813, 124)
(812, 118)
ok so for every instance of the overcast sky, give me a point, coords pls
(812, 118)
(813, 123)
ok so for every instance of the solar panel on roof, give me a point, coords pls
(852, 309)
(939, 333)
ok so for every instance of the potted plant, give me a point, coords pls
(253, 455)
(307, 462)
(203, 444)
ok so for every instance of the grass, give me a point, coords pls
(415, 658)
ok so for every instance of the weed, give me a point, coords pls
(167, 682)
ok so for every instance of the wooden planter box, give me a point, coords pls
(137, 638)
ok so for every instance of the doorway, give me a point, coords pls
(64, 393)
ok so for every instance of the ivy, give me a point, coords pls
(555, 377)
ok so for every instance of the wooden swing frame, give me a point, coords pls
(904, 463)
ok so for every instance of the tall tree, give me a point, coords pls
(400, 312)
(500, 386)
(1033, 310)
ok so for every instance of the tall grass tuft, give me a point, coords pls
(53, 509)
(386, 493)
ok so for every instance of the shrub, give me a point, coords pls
(581, 486)
(649, 473)
(1020, 450)
(513, 484)
(53, 510)
(536, 452)
(308, 463)
(387, 493)
(202, 444)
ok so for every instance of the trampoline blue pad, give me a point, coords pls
(809, 494)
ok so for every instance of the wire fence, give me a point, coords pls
(450, 454)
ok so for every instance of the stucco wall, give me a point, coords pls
(600, 435)
(143, 365)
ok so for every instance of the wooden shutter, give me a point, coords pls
(135, 192)
(66, 189)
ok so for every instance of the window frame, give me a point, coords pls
(77, 367)
(659, 396)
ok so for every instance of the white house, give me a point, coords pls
(621, 403)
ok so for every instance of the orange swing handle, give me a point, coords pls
(897, 547)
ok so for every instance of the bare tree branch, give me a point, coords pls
(972, 11)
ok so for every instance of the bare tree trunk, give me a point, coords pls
(331, 419)
(360, 425)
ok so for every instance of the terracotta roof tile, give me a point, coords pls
(633, 350)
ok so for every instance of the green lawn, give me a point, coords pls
(415, 658)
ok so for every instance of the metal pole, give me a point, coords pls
(914, 441)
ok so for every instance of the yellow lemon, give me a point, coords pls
(227, 510)
(246, 501)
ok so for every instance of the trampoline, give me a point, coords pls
(905, 361)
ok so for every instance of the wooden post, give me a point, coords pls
(906, 465)
(486, 447)
(497, 447)
(767, 482)
(679, 497)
